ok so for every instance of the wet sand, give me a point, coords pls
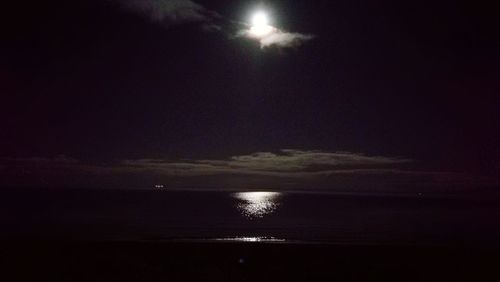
(241, 261)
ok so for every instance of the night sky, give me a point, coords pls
(113, 94)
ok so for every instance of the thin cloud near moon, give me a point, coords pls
(170, 12)
(174, 12)
(268, 35)
(281, 38)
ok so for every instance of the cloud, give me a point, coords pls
(285, 39)
(283, 169)
(60, 160)
(285, 163)
(278, 38)
(171, 11)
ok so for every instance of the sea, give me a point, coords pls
(249, 216)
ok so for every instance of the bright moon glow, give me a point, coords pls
(260, 25)
(260, 19)
(257, 204)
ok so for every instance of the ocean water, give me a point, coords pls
(249, 216)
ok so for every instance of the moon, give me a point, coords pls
(260, 25)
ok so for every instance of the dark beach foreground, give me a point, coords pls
(241, 261)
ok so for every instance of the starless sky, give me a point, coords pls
(129, 93)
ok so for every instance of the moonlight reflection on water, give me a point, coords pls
(257, 204)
